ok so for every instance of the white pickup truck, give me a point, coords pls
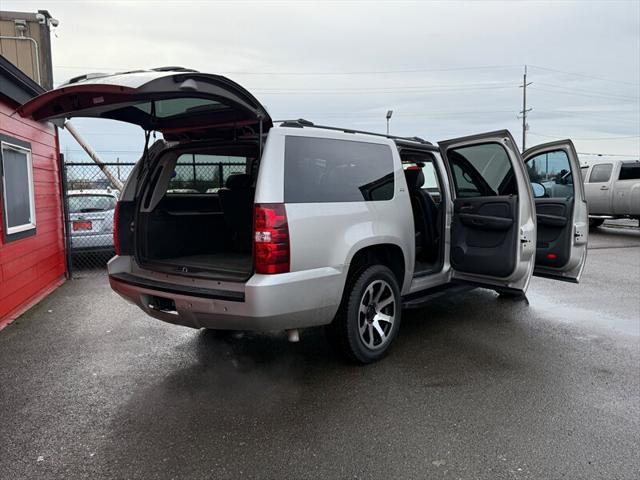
(612, 189)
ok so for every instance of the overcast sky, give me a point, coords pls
(446, 69)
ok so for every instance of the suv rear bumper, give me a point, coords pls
(269, 302)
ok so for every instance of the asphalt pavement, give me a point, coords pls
(476, 387)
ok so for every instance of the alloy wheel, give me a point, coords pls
(376, 314)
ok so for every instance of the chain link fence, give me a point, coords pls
(90, 200)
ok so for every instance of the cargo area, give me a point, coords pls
(196, 213)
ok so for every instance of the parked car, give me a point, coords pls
(326, 226)
(91, 219)
(613, 190)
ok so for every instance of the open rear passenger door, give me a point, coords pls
(492, 225)
(561, 210)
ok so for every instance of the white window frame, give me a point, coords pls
(32, 201)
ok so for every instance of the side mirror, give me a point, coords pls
(538, 190)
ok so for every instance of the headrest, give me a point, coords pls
(415, 177)
(238, 180)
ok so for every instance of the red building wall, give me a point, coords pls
(31, 267)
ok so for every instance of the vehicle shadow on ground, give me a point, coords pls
(426, 335)
(260, 395)
(615, 232)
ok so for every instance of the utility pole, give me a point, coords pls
(525, 110)
(117, 184)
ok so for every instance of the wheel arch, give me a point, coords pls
(388, 254)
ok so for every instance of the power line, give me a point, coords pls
(381, 92)
(592, 113)
(584, 75)
(369, 72)
(390, 88)
(584, 138)
(573, 89)
(581, 94)
(613, 120)
(354, 72)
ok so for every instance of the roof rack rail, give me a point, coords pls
(93, 75)
(86, 76)
(301, 123)
(174, 69)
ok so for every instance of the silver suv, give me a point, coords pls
(233, 222)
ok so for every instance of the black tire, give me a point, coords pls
(595, 222)
(508, 295)
(354, 333)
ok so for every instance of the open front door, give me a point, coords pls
(492, 228)
(561, 210)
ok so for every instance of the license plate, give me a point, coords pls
(81, 225)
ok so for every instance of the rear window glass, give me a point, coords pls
(178, 106)
(327, 170)
(91, 203)
(600, 173)
(630, 171)
(197, 173)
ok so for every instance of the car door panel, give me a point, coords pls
(492, 224)
(485, 222)
(561, 215)
(553, 245)
(484, 235)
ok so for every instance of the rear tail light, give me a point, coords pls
(271, 238)
(116, 241)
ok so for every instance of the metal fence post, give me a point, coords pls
(67, 221)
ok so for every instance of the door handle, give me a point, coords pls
(604, 187)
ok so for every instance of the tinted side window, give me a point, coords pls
(327, 170)
(465, 185)
(553, 171)
(482, 170)
(600, 173)
(630, 171)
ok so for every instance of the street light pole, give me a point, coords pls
(389, 113)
